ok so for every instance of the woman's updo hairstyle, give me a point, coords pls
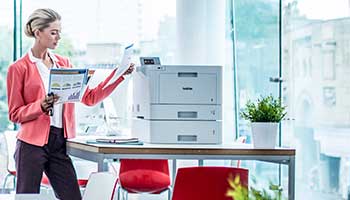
(40, 19)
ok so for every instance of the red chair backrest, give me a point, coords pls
(144, 175)
(206, 183)
(136, 164)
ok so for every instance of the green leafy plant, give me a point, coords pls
(266, 109)
(238, 192)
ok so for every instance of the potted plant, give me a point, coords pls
(264, 116)
(237, 192)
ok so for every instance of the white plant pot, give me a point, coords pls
(264, 134)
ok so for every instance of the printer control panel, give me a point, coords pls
(149, 61)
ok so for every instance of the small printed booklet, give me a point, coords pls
(68, 84)
(118, 140)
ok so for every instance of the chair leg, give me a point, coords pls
(169, 193)
(118, 191)
(125, 195)
(231, 163)
(14, 182)
(122, 193)
(5, 181)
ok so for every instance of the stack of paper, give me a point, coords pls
(118, 140)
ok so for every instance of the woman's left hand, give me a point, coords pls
(131, 68)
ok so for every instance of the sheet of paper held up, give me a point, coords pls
(124, 65)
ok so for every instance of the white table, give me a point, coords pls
(99, 152)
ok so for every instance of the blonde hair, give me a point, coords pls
(40, 19)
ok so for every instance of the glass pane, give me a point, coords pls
(6, 57)
(257, 59)
(96, 37)
(317, 91)
(257, 50)
(6, 53)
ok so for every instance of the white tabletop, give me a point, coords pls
(82, 143)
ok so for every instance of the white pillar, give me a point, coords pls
(200, 32)
(201, 40)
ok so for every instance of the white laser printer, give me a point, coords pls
(177, 103)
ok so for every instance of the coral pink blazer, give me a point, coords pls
(25, 92)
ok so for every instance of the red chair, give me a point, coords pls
(143, 176)
(46, 183)
(10, 139)
(206, 183)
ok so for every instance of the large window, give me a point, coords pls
(316, 69)
(6, 56)
(257, 50)
(313, 58)
(256, 25)
(95, 39)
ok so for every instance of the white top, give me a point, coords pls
(56, 119)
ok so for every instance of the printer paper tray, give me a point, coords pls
(200, 132)
(185, 112)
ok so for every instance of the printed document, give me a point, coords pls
(68, 84)
(117, 140)
(124, 65)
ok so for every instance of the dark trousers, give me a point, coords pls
(32, 161)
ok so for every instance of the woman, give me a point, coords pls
(41, 144)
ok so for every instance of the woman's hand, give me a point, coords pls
(129, 71)
(47, 103)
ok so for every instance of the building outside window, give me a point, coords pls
(318, 104)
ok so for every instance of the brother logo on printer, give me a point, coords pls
(186, 88)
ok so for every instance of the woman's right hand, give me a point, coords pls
(47, 103)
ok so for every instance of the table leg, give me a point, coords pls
(291, 178)
(200, 162)
(102, 165)
(174, 170)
